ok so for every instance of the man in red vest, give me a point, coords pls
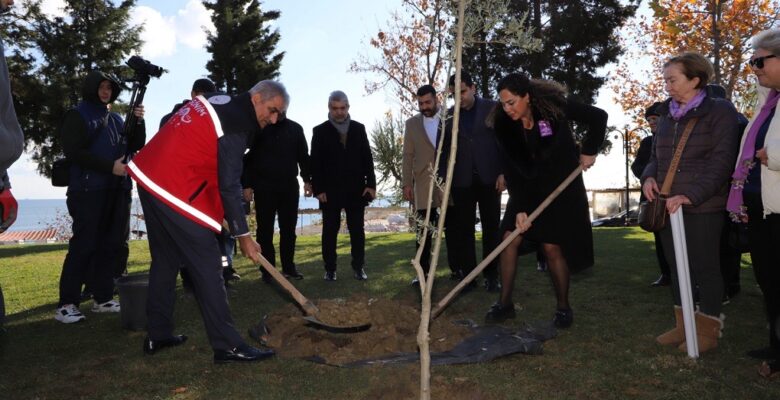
(188, 179)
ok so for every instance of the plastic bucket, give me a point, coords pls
(132, 298)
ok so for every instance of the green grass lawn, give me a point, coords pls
(609, 353)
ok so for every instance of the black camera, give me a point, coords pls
(144, 67)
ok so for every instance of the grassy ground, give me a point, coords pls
(609, 353)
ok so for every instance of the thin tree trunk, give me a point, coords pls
(423, 335)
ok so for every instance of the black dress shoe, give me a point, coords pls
(415, 282)
(456, 276)
(294, 274)
(330, 275)
(662, 280)
(152, 346)
(492, 285)
(499, 313)
(360, 274)
(765, 353)
(242, 353)
(563, 318)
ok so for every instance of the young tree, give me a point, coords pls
(50, 57)
(243, 45)
(718, 29)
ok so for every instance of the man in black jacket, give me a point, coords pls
(342, 178)
(270, 175)
(477, 181)
(639, 164)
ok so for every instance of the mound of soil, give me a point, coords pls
(393, 330)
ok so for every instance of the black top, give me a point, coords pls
(536, 165)
(275, 157)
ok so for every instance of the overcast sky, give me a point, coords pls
(320, 39)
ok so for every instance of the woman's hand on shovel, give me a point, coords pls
(249, 248)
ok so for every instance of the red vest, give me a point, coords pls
(179, 165)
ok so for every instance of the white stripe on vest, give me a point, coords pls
(173, 199)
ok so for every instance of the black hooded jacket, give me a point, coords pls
(78, 135)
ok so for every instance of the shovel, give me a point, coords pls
(311, 311)
(512, 236)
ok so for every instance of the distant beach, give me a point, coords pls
(38, 214)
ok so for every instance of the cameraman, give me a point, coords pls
(95, 143)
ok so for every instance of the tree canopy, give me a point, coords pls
(50, 56)
(243, 45)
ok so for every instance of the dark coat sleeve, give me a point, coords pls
(302, 150)
(642, 156)
(594, 118)
(316, 161)
(76, 143)
(711, 179)
(230, 155)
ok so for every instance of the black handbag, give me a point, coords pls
(60, 172)
(652, 214)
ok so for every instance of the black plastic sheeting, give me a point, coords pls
(486, 344)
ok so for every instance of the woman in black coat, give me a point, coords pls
(533, 129)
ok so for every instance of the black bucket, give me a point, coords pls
(132, 298)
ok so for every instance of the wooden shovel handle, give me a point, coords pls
(308, 307)
(512, 236)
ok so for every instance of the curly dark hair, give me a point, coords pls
(547, 98)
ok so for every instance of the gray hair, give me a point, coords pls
(768, 40)
(269, 89)
(338, 95)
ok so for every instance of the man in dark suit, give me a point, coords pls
(270, 175)
(477, 181)
(342, 178)
(637, 167)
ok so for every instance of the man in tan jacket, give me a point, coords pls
(417, 168)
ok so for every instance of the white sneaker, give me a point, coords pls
(68, 314)
(111, 306)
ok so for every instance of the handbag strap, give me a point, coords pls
(667, 186)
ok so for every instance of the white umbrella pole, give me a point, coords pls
(684, 281)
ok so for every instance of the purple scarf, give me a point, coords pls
(678, 112)
(746, 159)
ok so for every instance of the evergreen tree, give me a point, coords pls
(578, 38)
(49, 58)
(242, 47)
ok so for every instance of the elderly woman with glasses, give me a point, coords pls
(755, 191)
(699, 186)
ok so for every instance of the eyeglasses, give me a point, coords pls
(758, 62)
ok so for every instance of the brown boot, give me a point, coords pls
(676, 335)
(708, 330)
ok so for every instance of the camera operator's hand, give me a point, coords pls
(139, 112)
(119, 167)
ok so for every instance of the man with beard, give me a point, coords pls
(419, 157)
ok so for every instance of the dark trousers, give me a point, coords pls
(173, 240)
(764, 234)
(659, 255)
(730, 259)
(270, 205)
(331, 222)
(460, 232)
(100, 220)
(702, 236)
(425, 258)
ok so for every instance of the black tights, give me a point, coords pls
(556, 263)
